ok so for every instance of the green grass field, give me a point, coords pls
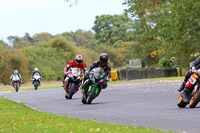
(18, 118)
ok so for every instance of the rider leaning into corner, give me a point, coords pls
(103, 63)
(36, 70)
(194, 65)
(18, 74)
(78, 62)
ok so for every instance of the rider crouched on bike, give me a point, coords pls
(194, 65)
(35, 71)
(18, 74)
(78, 62)
(103, 63)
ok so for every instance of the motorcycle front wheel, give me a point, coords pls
(72, 90)
(181, 103)
(36, 84)
(91, 95)
(16, 87)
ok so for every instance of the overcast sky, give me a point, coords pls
(18, 17)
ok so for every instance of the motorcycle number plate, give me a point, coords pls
(192, 80)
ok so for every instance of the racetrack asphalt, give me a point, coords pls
(149, 104)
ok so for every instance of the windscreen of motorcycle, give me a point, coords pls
(36, 76)
(98, 73)
(15, 77)
(76, 71)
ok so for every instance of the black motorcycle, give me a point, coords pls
(94, 85)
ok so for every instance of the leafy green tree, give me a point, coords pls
(29, 38)
(81, 38)
(41, 38)
(11, 60)
(169, 26)
(19, 42)
(112, 28)
(3, 45)
(115, 57)
(52, 56)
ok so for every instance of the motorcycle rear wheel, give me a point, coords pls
(195, 99)
(181, 103)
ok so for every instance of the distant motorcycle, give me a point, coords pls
(95, 85)
(15, 82)
(193, 84)
(72, 82)
(36, 80)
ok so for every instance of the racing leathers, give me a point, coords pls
(73, 64)
(11, 77)
(34, 72)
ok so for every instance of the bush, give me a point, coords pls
(13, 60)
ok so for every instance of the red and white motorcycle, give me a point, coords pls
(193, 96)
(72, 82)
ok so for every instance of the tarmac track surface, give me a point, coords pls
(149, 104)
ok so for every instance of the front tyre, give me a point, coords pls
(181, 103)
(83, 100)
(91, 95)
(72, 90)
(36, 84)
(195, 99)
(16, 87)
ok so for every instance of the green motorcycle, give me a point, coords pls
(94, 85)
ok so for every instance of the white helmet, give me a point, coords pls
(79, 59)
(36, 69)
(15, 71)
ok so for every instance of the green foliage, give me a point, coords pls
(3, 45)
(11, 60)
(41, 38)
(81, 38)
(52, 57)
(170, 26)
(66, 49)
(166, 63)
(88, 54)
(110, 29)
(116, 59)
(47, 59)
(19, 42)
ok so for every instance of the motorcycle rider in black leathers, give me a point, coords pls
(102, 62)
(194, 65)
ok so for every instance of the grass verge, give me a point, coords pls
(19, 118)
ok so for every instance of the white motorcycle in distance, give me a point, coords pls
(36, 80)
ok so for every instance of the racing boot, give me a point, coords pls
(181, 87)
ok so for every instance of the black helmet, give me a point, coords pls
(79, 59)
(103, 58)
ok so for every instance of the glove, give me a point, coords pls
(86, 74)
(65, 72)
(193, 69)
